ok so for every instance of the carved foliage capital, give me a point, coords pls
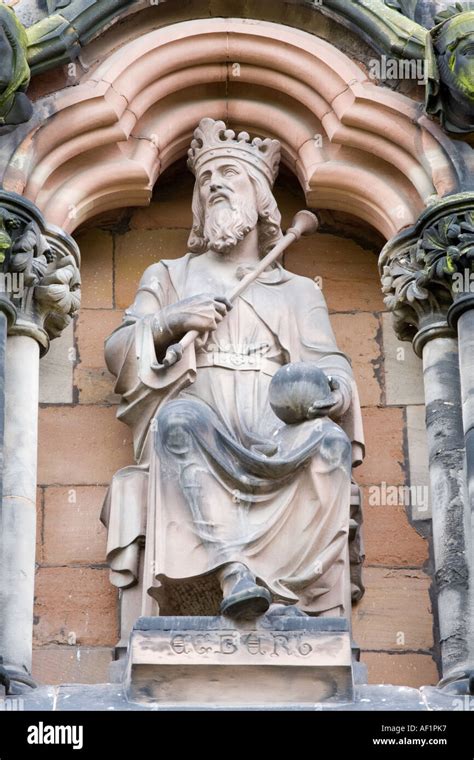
(39, 271)
(421, 266)
(416, 298)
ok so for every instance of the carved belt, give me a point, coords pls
(231, 360)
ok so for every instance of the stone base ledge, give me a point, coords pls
(205, 661)
(111, 697)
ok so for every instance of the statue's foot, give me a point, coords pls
(286, 610)
(247, 600)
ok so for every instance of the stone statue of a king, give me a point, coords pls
(234, 509)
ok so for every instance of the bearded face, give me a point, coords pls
(230, 208)
(229, 218)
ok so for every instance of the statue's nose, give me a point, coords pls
(215, 186)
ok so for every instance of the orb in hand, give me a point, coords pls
(295, 388)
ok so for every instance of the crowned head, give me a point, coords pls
(233, 189)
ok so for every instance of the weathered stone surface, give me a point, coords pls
(186, 660)
(95, 386)
(96, 697)
(170, 207)
(43, 698)
(73, 532)
(96, 268)
(93, 326)
(76, 604)
(389, 538)
(56, 370)
(15, 107)
(337, 262)
(438, 699)
(85, 445)
(39, 523)
(403, 368)
(18, 523)
(136, 250)
(383, 428)
(363, 350)
(111, 697)
(418, 458)
(395, 612)
(94, 383)
(401, 669)
(70, 664)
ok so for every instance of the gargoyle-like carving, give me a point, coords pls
(59, 38)
(15, 108)
(410, 29)
(450, 59)
(450, 91)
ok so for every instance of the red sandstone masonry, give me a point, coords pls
(347, 274)
(73, 532)
(356, 335)
(136, 250)
(85, 445)
(96, 269)
(389, 538)
(93, 381)
(70, 664)
(77, 602)
(401, 670)
(383, 429)
(395, 612)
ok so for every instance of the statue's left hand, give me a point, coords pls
(336, 401)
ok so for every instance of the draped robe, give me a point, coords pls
(219, 478)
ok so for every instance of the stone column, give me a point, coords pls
(417, 277)
(41, 284)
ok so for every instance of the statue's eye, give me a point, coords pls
(468, 50)
(229, 171)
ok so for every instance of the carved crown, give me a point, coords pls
(212, 139)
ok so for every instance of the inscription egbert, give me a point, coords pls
(232, 642)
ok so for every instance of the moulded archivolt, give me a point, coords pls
(352, 144)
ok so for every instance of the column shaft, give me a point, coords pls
(18, 530)
(447, 487)
(466, 366)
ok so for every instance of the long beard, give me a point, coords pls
(227, 223)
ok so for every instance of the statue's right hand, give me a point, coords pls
(202, 313)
